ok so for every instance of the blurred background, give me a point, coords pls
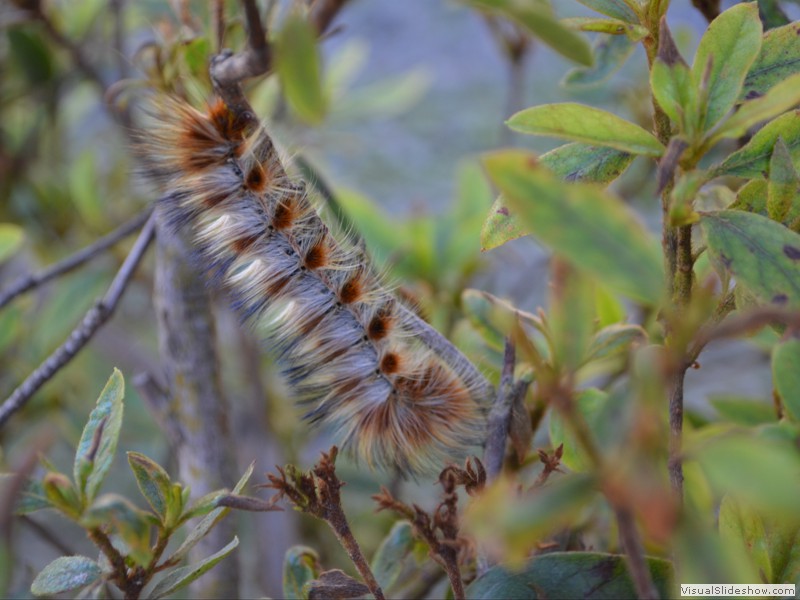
(417, 91)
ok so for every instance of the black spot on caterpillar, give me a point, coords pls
(349, 353)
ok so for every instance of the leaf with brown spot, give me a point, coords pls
(754, 250)
(571, 162)
(783, 183)
(779, 58)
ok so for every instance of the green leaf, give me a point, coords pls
(153, 482)
(633, 32)
(388, 561)
(519, 522)
(752, 197)
(385, 98)
(571, 314)
(196, 53)
(784, 549)
(610, 53)
(460, 230)
(297, 62)
(98, 443)
(131, 524)
(776, 101)
(32, 497)
(753, 468)
(209, 521)
(494, 317)
(609, 309)
(753, 159)
(783, 184)
(62, 495)
(702, 556)
(65, 574)
(84, 192)
(537, 17)
(613, 8)
(761, 254)
(204, 505)
(31, 55)
(729, 47)
(591, 228)
(772, 14)
(381, 234)
(743, 411)
(180, 578)
(673, 86)
(591, 575)
(300, 565)
(588, 124)
(572, 162)
(740, 525)
(786, 375)
(778, 60)
(590, 405)
(614, 340)
(11, 237)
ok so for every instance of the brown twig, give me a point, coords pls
(47, 535)
(317, 493)
(634, 555)
(30, 281)
(323, 12)
(80, 336)
(742, 324)
(635, 558)
(217, 23)
(441, 531)
(116, 559)
(229, 70)
(500, 415)
(552, 464)
(676, 243)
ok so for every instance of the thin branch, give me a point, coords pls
(157, 400)
(26, 283)
(323, 12)
(500, 415)
(118, 11)
(218, 24)
(47, 535)
(228, 70)
(317, 493)
(78, 57)
(80, 336)
(634, 551)
(675, 452)
(634, 555)
(743, 323)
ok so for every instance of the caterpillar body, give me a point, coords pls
(346, 344)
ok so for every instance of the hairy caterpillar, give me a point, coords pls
(346, 344)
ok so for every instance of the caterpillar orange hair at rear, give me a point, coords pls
(345, 344)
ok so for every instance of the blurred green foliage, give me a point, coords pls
(623, 318)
